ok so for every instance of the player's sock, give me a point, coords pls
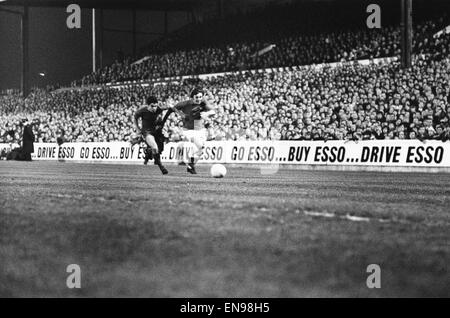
(157, 157)
(191, 166)
(148, 155)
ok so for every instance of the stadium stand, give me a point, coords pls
(349, 101)
(295, 37)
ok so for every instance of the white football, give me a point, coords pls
(218, 170)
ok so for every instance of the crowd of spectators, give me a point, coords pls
(293, 50)
(293, 40)
(348, 102)
(351, 101)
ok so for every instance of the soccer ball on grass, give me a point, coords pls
(218, 170)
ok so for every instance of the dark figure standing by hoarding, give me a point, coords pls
(27, 140)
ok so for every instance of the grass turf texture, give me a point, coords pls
(137, 233)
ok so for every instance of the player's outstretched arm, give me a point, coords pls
(137, 114)
(209, 111)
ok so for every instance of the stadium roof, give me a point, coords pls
(109, 4)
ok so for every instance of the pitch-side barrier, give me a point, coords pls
(387, 155)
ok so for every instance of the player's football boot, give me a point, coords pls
(163, 170)
(191, 169)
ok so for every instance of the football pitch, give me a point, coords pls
(296, 233)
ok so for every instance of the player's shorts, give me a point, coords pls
(197, 136)
(158, 135)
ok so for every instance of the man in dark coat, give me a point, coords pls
(27, 140)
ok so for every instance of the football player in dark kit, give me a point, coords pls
(151, 130)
